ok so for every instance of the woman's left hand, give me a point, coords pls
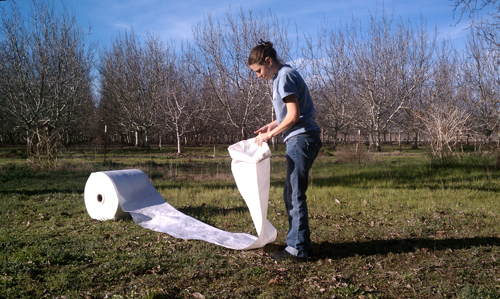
(261, 138)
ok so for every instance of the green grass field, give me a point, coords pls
(389, 227)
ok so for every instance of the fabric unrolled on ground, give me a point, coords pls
(117, 194)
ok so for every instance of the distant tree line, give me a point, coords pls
(386, 79)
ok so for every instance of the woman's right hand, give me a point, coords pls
(264, 129)
(267, 128)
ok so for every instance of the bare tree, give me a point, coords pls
(391, 62)
(332, 82)
(487, 25)
(444, 114)
(219, 54)
(423, 49)
(182, 107)
(481, 78)
(441, 124)
(127, 87)
(45, 76)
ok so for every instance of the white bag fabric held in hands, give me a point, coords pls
(114, 194)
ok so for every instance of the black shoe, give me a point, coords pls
(284, 255)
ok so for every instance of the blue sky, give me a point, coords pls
(173, 19)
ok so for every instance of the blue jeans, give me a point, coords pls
(301, 150)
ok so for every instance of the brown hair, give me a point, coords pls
(261, 51)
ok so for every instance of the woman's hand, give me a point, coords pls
(265, 133)
(262, 137)
(291, 118)
(267, 128)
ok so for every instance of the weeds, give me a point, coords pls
(352, 154)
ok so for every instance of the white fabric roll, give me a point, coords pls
(111, 194)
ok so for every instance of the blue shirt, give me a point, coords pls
(289, 82)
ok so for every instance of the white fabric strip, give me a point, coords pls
(111, 194)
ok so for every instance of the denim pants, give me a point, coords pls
(301, 150)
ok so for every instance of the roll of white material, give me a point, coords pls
(111, 194)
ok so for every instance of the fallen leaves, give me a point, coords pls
(273, 281)
(198, 295)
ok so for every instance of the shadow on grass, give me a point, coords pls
(205, 210)
(399, 173)
(41, 191)
(206, 213)
(384, 247)
(456, 176)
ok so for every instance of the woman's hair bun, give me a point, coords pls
(260, 52)
(266, 44)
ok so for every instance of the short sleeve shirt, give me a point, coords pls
(289, 82)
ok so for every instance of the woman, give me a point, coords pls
(295, 122)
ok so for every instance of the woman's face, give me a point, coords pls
(263, 70)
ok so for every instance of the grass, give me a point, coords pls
(392, 227)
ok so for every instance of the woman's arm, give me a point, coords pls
(291, 118)
(267, 128)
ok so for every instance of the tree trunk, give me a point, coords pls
(146, 139)
(334, 143)
(375, 141)
(415, 141)
(399, 141)
(29, 143)
(178, 143)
